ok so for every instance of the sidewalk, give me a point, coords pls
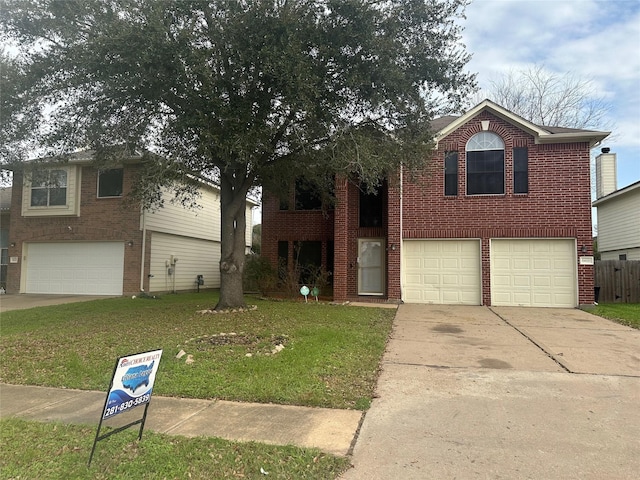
(329, 430)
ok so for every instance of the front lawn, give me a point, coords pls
(625, 313)
(330, 357)
(52, 450)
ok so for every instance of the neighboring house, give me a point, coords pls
(5, 205)
(618, 212)
(501, 216)
(72, 231)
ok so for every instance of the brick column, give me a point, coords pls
(394, 241)
(340, 238)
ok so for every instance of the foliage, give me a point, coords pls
(243, 92)
(625, 313)
(330, 358)
(52, 450)
(260, 275)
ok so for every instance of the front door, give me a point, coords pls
(371, 266)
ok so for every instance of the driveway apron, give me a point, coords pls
(514, 393)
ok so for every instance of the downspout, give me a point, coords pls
(143, 249)
(400, 241)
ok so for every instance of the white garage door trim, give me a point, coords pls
(540, 272)
(74, 268)
(442, 272)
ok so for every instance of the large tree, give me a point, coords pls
(243, 92)
(544, 97)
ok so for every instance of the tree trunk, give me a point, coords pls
(233, 213)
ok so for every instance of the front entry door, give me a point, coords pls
(371, 266)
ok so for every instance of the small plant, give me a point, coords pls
(259, 275)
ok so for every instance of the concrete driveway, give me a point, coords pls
(513, 393)
(22, 301)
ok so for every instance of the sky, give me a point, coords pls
(594, 39)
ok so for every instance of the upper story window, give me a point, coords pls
(451, 173)
(485, 164)
(372, 207)
(308, 195)
(51, 191)
(49, 188)
(520, 170)
(110, 183)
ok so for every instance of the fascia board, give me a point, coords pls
(616, 194)
(592, 137)
(498, 111)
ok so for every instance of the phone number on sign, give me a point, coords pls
(126, 405)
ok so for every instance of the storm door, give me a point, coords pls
(371, 271)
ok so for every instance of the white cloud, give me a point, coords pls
(594, 39)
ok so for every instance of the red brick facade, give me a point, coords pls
(557, 205)
(101, 219)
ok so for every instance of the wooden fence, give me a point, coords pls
(619, 281)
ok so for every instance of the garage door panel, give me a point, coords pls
(533, 272)
(449, 271)
(81, 268)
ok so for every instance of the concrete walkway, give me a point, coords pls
(22, 301)
(330, 430)
(514, 393)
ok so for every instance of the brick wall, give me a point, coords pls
(293, 225)
(558, 205)
(101, 219)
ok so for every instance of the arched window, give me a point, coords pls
(485, 164)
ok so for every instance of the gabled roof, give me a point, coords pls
(446, 125)
(617, 193)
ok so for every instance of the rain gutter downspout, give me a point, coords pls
(400, 233)
(143, 249)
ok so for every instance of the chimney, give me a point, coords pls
(606, 182)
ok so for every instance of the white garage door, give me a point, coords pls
(533, 273)
(441, 271)
(79, 268)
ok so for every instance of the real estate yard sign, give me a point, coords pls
(131, 386)
(132, 382)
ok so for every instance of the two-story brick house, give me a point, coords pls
(501, 216)
(72, 230)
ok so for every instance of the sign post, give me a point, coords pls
(131, 386)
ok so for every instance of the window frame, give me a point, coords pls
(520, 174)
(47, 186)
(480, 148)
(110, 171)
(451, 169)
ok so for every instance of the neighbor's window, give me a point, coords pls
(451, 173)
(49, 188)
(520, 170)
(110, 183)
(485, 164)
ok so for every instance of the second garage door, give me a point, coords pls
(533, 273)
(78, 268)
(441, 271)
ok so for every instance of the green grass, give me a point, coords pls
(330, 359)
(51, 450)
(625, 313)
